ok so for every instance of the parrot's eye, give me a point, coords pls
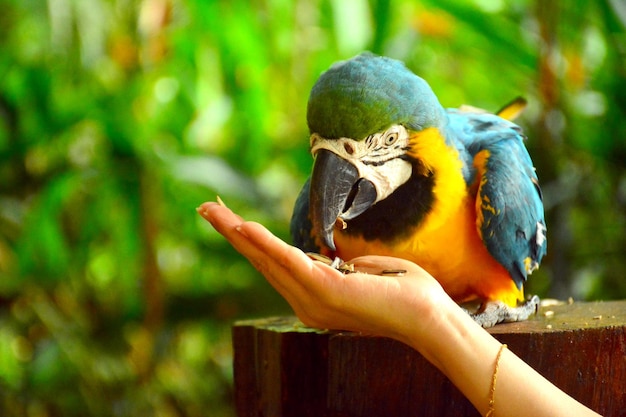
(391, 138)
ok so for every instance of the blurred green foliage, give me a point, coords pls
(119, 117)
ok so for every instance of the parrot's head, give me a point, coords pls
(362, 114)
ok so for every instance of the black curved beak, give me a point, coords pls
(336, 191)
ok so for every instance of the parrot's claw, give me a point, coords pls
(493, 312)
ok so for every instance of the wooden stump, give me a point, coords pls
(284, 369)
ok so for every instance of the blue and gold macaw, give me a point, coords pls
(395, 174)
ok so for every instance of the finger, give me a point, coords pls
(294, 266)
(229, 225)
(289, 257)
(258, 244)
(261, 248)
(220, 216)
(309, 285)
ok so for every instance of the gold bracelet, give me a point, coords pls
(492, 390)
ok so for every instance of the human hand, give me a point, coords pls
(322, 297)
(412, 308)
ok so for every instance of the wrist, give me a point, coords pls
(455, 344)
(437, 323)
(446, 333)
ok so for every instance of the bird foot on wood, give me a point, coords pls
(491, 313)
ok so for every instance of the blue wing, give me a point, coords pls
(301, 226)
(509, 207)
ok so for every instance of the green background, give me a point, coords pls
(119, 117)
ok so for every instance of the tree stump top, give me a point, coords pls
(563, 316)
(283, 368)
(557, 317)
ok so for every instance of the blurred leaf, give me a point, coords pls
(11, 372)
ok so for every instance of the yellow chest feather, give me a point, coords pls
(446, 243)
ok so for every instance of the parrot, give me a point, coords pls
(394, 173)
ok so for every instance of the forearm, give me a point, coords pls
(466, 354)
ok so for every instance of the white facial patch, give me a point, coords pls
(378, 157)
